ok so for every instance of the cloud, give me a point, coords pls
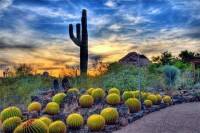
(5, 4)
(48, 12)
(110, 3)
(154, 11)
(135, 19)
(114, 27)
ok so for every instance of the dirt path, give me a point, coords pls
(183, 118)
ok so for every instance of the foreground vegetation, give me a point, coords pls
(18, 89)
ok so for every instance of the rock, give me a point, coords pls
(59, 116)
(56, 86)
(162, 106)
(189, 97)
(33, 114)
(123, 122)
(70, 103)
(66, 84)
(123, 111)
(82, 91)
(177, 99)
(156, 107)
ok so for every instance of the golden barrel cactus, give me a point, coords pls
(52, 108)
(159, 98)
(10, 112)
(98, 93)
(114, 90)
(57, 127)
(146, 94)
(75, 121)
(46, 120)
(113, 99)
(136, 93)
(34, 106)
(32, 126)
(153, 98)
(58, 98)
(133, 104)
(89, 91)
(110, 115)
(167, 99)
(148, 103)
(86, 101)
(10, 124)
(127, 94)
(73, 90)
(96, 123)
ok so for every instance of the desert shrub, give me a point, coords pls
(13, 89)
(170, 75)
(197, 86)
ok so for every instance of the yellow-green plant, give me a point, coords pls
(136, 93)
(10, 112)
(146, 94)
(89, 91)
(10, 124)
(110, 115)
(34, 106)
(46, 120)
(58, 98)
(133, 104)
(57, 127)
(159, 98)
(75, 121)
(114, 90)
(113, 99)
(153, 98)
(167, 99)
(73, 90)
(86, 101)
(96, 123)
(32, 126)
(52, 108)
(148, 103)
(98, 93)
(127, 94)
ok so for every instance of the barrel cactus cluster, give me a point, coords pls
(10, 112)
(34, 106)
(52, 108)
(98, 93)
(73, 90)
(58, 98)
(11, 117)
(75, 121)
(86, 101)
(32, 126)
(127, 94)
(113, 99)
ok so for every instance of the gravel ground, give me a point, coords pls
(182, 118)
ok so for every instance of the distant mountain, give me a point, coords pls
(132, 59)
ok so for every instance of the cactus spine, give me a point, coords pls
(81, 41)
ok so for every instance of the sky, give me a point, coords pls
(36, 31)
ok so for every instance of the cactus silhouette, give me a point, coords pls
(81, 41)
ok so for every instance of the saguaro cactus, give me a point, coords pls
(81, 41)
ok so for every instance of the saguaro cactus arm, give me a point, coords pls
(73, 38)
(78, 31)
